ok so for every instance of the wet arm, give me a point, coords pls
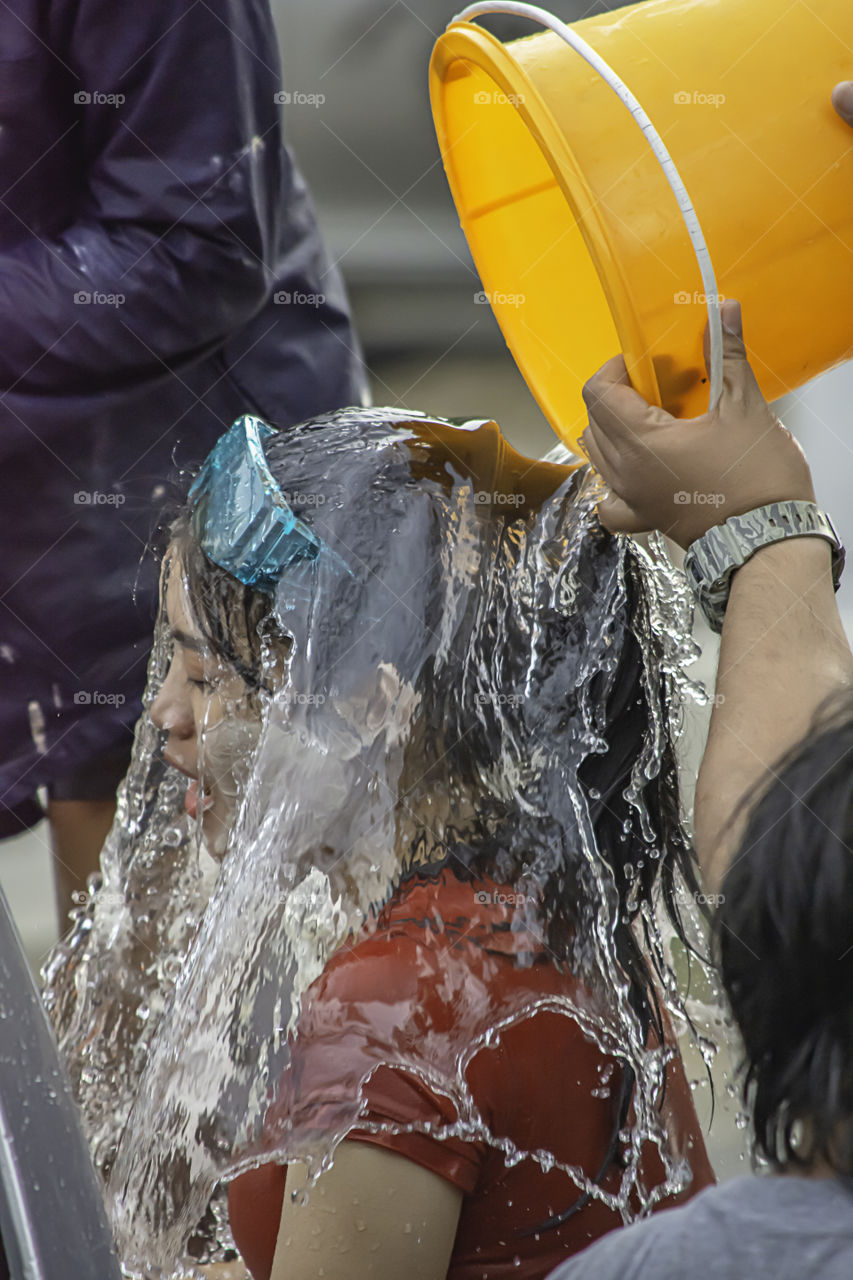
(374, 1215)
(783, 651)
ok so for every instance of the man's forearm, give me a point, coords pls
(783, 651)
(783, 647)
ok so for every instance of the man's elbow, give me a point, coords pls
(244, 283)
(222, 286)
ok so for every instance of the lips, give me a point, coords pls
(191, 799)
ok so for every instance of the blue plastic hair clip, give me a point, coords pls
(240, 516)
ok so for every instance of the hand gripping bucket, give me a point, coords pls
(618, 178)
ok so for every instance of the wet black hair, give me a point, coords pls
(645, 859)
(231, 617)
(784, 935)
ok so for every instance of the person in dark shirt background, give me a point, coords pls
(161, 272)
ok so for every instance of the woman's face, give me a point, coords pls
(212, 725)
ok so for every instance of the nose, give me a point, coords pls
(172, 710)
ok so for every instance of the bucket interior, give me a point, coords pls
(526, 242)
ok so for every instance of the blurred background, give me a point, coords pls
(359, 122)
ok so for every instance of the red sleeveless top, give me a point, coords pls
(405, 992)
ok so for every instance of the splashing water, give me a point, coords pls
(449, 704)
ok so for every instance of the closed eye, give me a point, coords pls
(200, 684)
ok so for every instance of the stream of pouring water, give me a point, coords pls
(177, 996)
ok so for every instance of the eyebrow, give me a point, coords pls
(187, 641)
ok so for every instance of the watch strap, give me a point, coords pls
(712, 559)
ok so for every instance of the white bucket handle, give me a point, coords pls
(662, 155)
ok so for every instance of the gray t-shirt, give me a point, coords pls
(783, 1228)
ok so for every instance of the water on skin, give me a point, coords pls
(180, 986)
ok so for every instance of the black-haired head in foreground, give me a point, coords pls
(784, 936)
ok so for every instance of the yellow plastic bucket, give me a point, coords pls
(573, 223)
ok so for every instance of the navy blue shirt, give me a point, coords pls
(161, 273)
